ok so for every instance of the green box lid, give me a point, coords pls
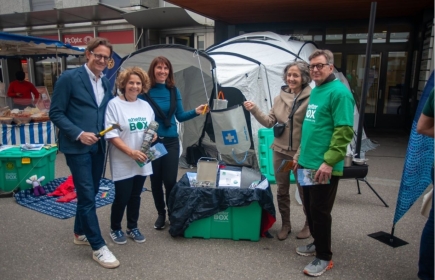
(16, 152)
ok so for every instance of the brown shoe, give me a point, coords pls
(284, 232)
(304, 233)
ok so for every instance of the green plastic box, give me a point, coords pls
(17, 166)
(265, 140)
(237, 223)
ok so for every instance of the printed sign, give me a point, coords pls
(77, 39)
(230, 137)
(11, 176)
(222, 217)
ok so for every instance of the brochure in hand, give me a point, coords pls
(306, 177)
(153, 153)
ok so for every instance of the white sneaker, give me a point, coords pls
(81, 240)
(105, 258)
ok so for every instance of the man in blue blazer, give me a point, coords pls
(77, 108)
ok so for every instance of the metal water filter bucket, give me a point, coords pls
(348, 161)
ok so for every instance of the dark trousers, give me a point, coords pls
(318, 202)
(86, 170)
(127, 194)
(165, 171)
(426, 258)
(20, 107)
(283, 192)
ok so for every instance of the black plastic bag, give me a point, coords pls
(194, 153)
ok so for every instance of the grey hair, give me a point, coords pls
(303, 68)
(326, 53)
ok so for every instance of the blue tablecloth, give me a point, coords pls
(33, 133)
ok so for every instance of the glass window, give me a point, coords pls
(360, 35)
(41, 5)
(355, 70)
(337, 60)
(200, 41)
(354, 35)
(334, 36)
(315, 35)
(379, 37)
(399, 37)
(395, 82)
(182, 40)
(399, 34)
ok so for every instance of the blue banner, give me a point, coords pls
(112, 69)
(416, 176)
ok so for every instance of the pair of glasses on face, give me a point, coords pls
(99, 56)
(319, 66)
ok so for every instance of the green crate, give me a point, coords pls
(265, 140)
(237, 223)
(17, 166)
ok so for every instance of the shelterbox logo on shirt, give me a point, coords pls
(311, 112)
(137, 124)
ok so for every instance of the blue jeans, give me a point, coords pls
(426, 258)
(86, 170)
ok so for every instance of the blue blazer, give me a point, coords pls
(74, 109)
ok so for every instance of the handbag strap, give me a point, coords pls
(158, 111)
(297, 103)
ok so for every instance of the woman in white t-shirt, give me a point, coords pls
(134, 116)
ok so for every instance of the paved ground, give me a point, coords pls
(37, 246)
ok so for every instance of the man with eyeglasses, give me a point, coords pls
(78, 107)
(326, 131)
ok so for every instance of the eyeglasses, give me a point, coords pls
(319, 66)
(99, 56)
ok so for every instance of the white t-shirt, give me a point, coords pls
(133, 118)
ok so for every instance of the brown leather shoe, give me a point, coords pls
(284, 232)
(304, 233)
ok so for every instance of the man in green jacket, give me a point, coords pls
(326, 131)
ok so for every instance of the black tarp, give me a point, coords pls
(187, 204)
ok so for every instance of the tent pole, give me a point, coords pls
(57, 65)
(366, 81)
(215, 84)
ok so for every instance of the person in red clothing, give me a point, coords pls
(21, 91)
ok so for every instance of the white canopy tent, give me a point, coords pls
(254, 64)
(193, 71)
(251, 65)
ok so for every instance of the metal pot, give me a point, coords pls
(348, 161)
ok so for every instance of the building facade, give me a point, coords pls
(402, 50)
(74, 22)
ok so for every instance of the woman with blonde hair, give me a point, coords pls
(133, 115)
